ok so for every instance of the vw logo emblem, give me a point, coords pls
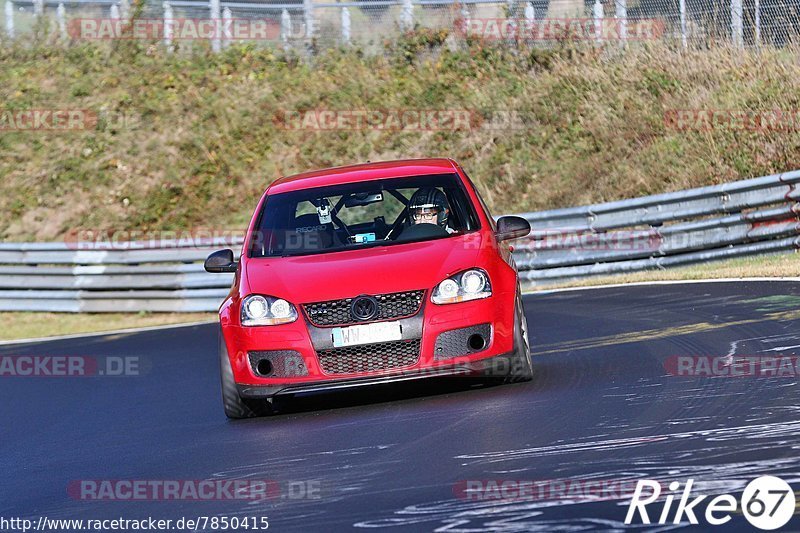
(364, 308)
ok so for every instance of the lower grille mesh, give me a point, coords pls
(369, 357)
(455, 342)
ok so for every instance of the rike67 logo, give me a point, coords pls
(767, 502)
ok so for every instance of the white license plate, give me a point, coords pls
(367, 334)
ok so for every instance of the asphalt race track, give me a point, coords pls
(604, 405)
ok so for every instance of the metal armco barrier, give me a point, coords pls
(749, 217)
(128, 277)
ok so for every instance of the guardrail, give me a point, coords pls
(749, 217)
(129, 277)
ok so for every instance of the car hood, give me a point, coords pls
(377, 270)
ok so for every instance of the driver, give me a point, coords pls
(429, 206)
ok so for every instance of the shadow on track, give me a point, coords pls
(376, 394)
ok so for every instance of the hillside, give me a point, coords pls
(191, 139)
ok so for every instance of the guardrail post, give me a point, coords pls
(598, 21)
(168, 23)
(758, 23)
(621, 14)
(530, 13)
(214, 15)
(682, 7)
(226, 26)
(125, 9)
(308, 17)
(345, 26)
(407, 16)
(10, 19)
(512, 17)
(737, 23)
(61, 20)
(286, 28)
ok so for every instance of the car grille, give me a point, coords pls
(337, 312)
(369, 357)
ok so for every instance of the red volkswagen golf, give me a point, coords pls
(369, 274)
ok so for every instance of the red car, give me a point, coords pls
(369, 274)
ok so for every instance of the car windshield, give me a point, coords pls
(363, 214)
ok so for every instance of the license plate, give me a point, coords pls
(367, 334)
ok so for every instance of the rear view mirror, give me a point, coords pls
(511, 227)
(363, 198)
(221, 261)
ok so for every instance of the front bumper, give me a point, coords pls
(482, 368)
(306, 344)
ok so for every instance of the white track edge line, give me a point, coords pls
(662, 282)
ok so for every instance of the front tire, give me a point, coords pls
(520, 366)
(235, 406)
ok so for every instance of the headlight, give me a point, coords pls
(473, 282)
(260, 310)
(281, 309)
(468, 285)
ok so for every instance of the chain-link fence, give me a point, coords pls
(322, 24)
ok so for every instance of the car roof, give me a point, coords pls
(363, 172)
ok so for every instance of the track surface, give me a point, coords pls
(601, 406)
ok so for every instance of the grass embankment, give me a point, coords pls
(200, 144)
(188, 140)
(35, 325)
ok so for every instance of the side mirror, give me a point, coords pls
(512, 227)
(221, 261)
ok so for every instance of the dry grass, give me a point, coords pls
(36, 325)
(770, 266)
(203, 144)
